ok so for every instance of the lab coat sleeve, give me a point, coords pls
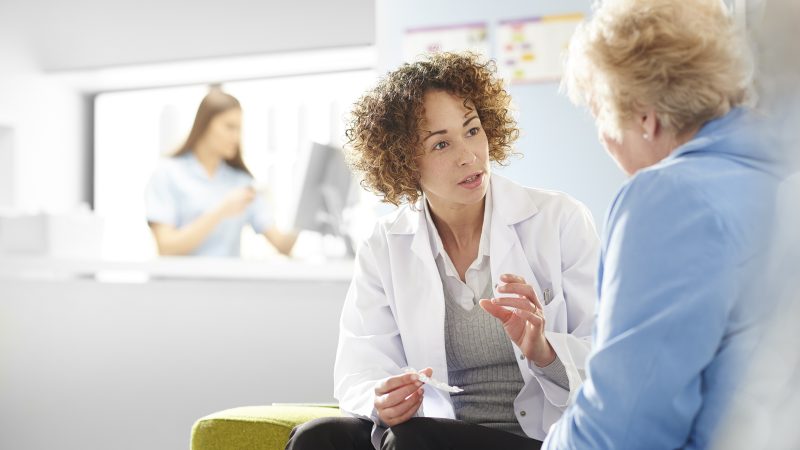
(579, 256)
(665, 295)
(370, 348)
(160, 199)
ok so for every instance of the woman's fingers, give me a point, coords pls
(532, 318)
(516, 284)
(398, 398)
(512, 324)
(403, 410)
(396, 394)
(524, 290)
(511, 278)
(497, 311)
(513, 319)
(522, 317)
(516, 303)
(392, 383)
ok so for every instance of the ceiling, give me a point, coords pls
(85, 34)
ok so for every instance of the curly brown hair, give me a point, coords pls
(383, 131)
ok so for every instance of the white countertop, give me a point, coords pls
(33, 267)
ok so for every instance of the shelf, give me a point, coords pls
(194, 268)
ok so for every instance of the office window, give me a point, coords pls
(281, 117)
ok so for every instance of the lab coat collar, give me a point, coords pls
(511, 204)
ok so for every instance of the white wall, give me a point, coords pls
(7, 169)
(47, 124)
(96, 33)
(558, 140)
(101, 366)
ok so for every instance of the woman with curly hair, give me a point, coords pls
(484, 284)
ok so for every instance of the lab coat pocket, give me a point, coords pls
(555, 310)
(550, 415)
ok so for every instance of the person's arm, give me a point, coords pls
(260, 218)
(182, 241)
(172, 240)
(370, 348)
(556, 373)
(665, 296)
(283, 242)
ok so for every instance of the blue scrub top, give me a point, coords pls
(181, 190)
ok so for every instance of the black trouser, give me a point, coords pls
(418, 433)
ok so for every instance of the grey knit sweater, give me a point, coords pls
(481, 361)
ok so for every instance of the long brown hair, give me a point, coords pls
(214, 103)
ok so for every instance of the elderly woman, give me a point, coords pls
(684, 241)
(426, 137)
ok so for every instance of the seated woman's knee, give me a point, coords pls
(414, 434)
(329, 430)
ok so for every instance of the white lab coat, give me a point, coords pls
(394, 312)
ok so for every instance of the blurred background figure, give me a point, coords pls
(198, 200)
(764, 413)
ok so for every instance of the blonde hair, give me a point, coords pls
(684, 58)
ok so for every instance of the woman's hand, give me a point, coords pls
(236, 202)
(398, 398)
(525, 323)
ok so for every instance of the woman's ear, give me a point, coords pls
(648, 120)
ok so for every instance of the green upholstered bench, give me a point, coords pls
(254, 427)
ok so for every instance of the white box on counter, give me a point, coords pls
(76, 235)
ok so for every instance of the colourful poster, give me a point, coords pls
(531, 50)
(454, 38)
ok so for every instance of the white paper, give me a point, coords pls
(442, 386)
(448, 38)
(531, 50)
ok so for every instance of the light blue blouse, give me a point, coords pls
(181, 190)
(680, 294)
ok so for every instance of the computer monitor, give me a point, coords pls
(326, 184)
